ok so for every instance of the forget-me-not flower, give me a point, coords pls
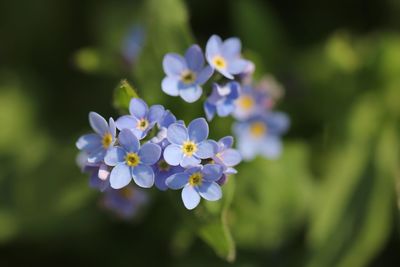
(97, 144)
(132, 161)
(225, 56)
(189, 145)
(142, 118)
(227, 156)
(185, 75)
(222, 100)
(196, 182)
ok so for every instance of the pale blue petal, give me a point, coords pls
(230, 157)
(210, 191)
(167, 119)
(206, 149)
(177, 134)
(191, 94)
(190, 197)
(204, 75)
(212, 172)
(237, 66)
(120, 176)
(190, 162)
(138, 108)
(247, 147)
(114, 156)
(89, 142)
(174, 64)
(112, 128)
(126, 122)
(169, 86)
(271, 147)
(97, 156)
(173, 154)
(213, 47)
(156, 112)
(177, 181)
(143, 176)
(194, 58)
(198, 130)
(231, 47)
(209, 110)
(226, 73)
(226, 142)
(149, 153)
(278, 122)
(98, 123)
(225, 109)
(128, 141)
(230, 170)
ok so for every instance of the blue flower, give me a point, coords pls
(162, 170)
(97, 144)
(261, 135)
(125, 202)
(196, 182)
(142, 118)
(99, 172)
(166, 120)
(132, 161)
(225, 56)
(133, 44)
(189, 145)
(185, 75)
(226, 156)
(222, 100)
(250, 102)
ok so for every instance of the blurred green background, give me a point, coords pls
(330, 200)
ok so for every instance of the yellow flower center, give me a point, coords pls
(189, 148)
(142, 124)
(126, 192)
(163, 166)
(188, 77)
(245, 102)
(219, 62)
(132, 159)
(258, 129)
(195, 179)
(107, 140)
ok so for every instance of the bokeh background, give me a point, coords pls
(330, 200)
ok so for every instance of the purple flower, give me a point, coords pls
(142, 118)
(126, 202)
(185, 75)
(222, 100)
(189, 145)
(132, 161)
(225, 56)
(226, 156)
(196, 182)
(97, 144)
(261, 135)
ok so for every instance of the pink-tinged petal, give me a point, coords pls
(104, 172)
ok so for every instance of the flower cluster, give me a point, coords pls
(257, 127)
(175, 156)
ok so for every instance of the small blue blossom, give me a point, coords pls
(251, 102)
(225, 56)
(97, 144)
(162, 170)
(222, 100)
(261, 135)
(166, 120)
(185, 75)
(99, 172)
(189, 145)
(125, 202)
(196, 182)
(142, 118)
(226, 156)
(133, 44)
(132, 161)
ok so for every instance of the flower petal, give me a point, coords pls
(138, 108)
(230, 157)
(190, 161)
(97, 156)
(104, 172)
(224, 109)
(213, 47)
(120, 176)
(174, 64)
(237, 66)
(177, 133)
(204, 75)
(149, 153)
(170, 86)
(271, 147)
(177, 181)
(167, 119)
(112, 128)
(89, 143)
(198, 130)
(212, 172)
(210, 191)
(173, 154)
(128, 141)
(191, 94)
(194, 58)
(226, 142)
(143, 175)
(206, 149)
(231, 47)
(209, 110)
(156, 112)
(98, 123)
(190, 197)
(126, 122)
(114, 156)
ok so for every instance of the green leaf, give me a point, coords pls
(123, 94)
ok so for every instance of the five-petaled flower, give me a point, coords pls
(189, 145)
(185, 75)
(142, 118)
(196, 182)
(132, 161)
(225, 56)
(97, 144)
(222, 100)
(226, 156)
